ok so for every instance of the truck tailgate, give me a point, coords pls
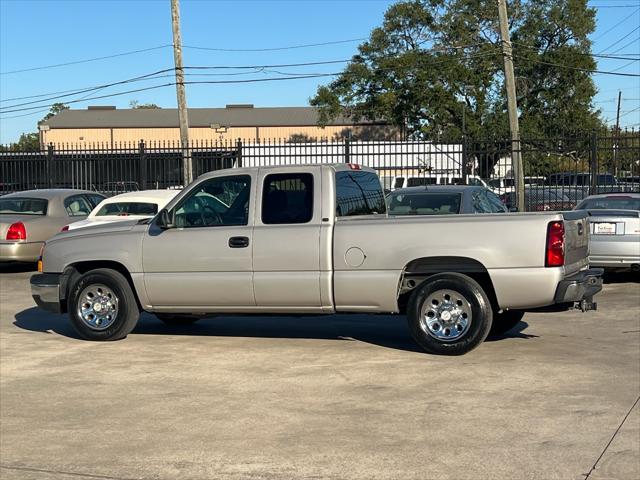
(576, 240)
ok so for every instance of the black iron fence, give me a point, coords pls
(558, 171)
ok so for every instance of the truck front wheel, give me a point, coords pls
(449, 314)
(102, 305)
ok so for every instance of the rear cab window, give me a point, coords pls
(358, 193)
(287, 198)
(23, 206)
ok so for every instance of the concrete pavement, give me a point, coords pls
(341, 397)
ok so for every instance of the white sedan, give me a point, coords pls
(126, 206)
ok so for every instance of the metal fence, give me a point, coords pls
(558, 171)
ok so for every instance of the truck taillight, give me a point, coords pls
(555, 245)
(65, 228)
(17, 231)
(354, 166)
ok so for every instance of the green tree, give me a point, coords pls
(55, 109)
(135, 104)
(28, 142)
(434, 65)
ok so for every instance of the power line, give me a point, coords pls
(586, 54)
(95, 59)
(626, 45)
(620, 39)
(616, 25)
(274, 49)
(149, 76)
(586, 70)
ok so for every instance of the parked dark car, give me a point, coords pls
(540, 199)
(443, 200)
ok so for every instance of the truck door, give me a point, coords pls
(205, 259)
(286, 239)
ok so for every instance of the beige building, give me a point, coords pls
(110, 127)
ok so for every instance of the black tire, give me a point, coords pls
(127, 307)
(505, 321)
(475, 302)
(176, 319)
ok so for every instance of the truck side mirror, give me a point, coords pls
(164, 220)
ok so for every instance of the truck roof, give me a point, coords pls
(338, 167)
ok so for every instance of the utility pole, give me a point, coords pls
(512, 105)
(617, 136)
(182, 96)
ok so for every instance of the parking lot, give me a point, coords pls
(319, 397)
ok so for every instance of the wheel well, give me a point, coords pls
(420, 269)
(76, 269)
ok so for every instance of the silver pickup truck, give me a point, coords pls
(317, 240)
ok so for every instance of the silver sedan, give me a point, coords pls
(614, 222)
(29, 218)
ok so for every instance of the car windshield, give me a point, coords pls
(128, 208)
(424, 203)
(23, 206)
(610, 203)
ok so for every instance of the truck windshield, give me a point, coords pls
(358, 193)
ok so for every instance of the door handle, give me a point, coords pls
(239, 242)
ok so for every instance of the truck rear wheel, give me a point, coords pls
(102, 305)
(505, 321)
(449, 314)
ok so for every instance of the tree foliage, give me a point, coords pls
(55, 109)
(434, 66)
(135, 104)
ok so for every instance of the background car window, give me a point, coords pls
(481, 203)
(24, 206)
(95, 198)
(358, 193)
(222, 201)
(77, 206)
(288, 198)
(128, 208)
(610, 203)
(496, 204)
(424, 204)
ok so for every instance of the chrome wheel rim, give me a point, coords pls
(98, 307)
(446, 315)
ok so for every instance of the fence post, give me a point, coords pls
(142, 165)
(49, 164)
(347, 148)
(239, 153)
(593, 163)
(464, 160)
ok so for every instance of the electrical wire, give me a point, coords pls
(292, 47)
(149, 76)
(95, 59)
(620, 39)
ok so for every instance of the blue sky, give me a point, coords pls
(40, 33)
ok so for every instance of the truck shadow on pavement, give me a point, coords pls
(382, 330)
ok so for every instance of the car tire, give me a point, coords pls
(449, 314)
(102, 305)
(175, 319)
(505, 321)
